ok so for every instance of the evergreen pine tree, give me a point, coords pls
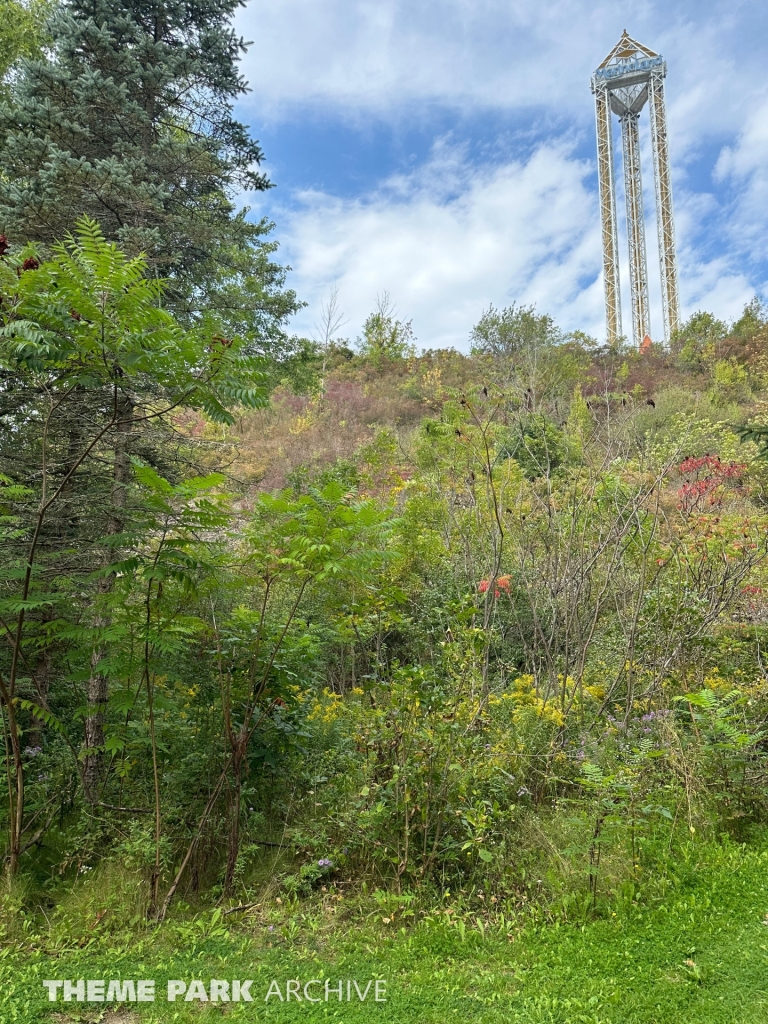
(130, 122)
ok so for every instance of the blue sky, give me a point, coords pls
(444, 151)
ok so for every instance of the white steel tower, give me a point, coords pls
(629, 77)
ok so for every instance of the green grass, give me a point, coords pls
(700, 955)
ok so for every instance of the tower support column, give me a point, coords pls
(605, 172)
(633, 188)
(665, 223)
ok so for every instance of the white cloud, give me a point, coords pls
(712, 283)
(744, 166)
(449, 239)
(397, 57)
(714, 286)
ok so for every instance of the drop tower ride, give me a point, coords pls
(629, 77)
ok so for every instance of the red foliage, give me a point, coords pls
(503, 583)
(709, 474)
(713, 464)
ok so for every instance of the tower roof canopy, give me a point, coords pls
(627, 47)
(628, 64)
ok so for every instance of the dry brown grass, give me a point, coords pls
(358, 400)
(90, 1015)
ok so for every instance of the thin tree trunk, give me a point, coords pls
(98, 682)
(195, 839)
(42, 680)
(98, 694)
(16, 791)
(233, 845)
(155, 884)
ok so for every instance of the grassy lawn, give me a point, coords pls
(700, 955)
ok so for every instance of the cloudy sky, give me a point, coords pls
(443, 151)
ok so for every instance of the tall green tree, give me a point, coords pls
(130, 122)
(505, 333)
(699, 339)
(526, 354)
(753, 319)
(90, 366)
(384, 336)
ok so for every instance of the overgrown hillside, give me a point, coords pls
(504, 620)
(477, 636)
(334, 651)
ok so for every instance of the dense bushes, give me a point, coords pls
(510, 646)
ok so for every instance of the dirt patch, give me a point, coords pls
(118, 1016)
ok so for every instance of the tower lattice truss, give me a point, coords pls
(629, 77)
